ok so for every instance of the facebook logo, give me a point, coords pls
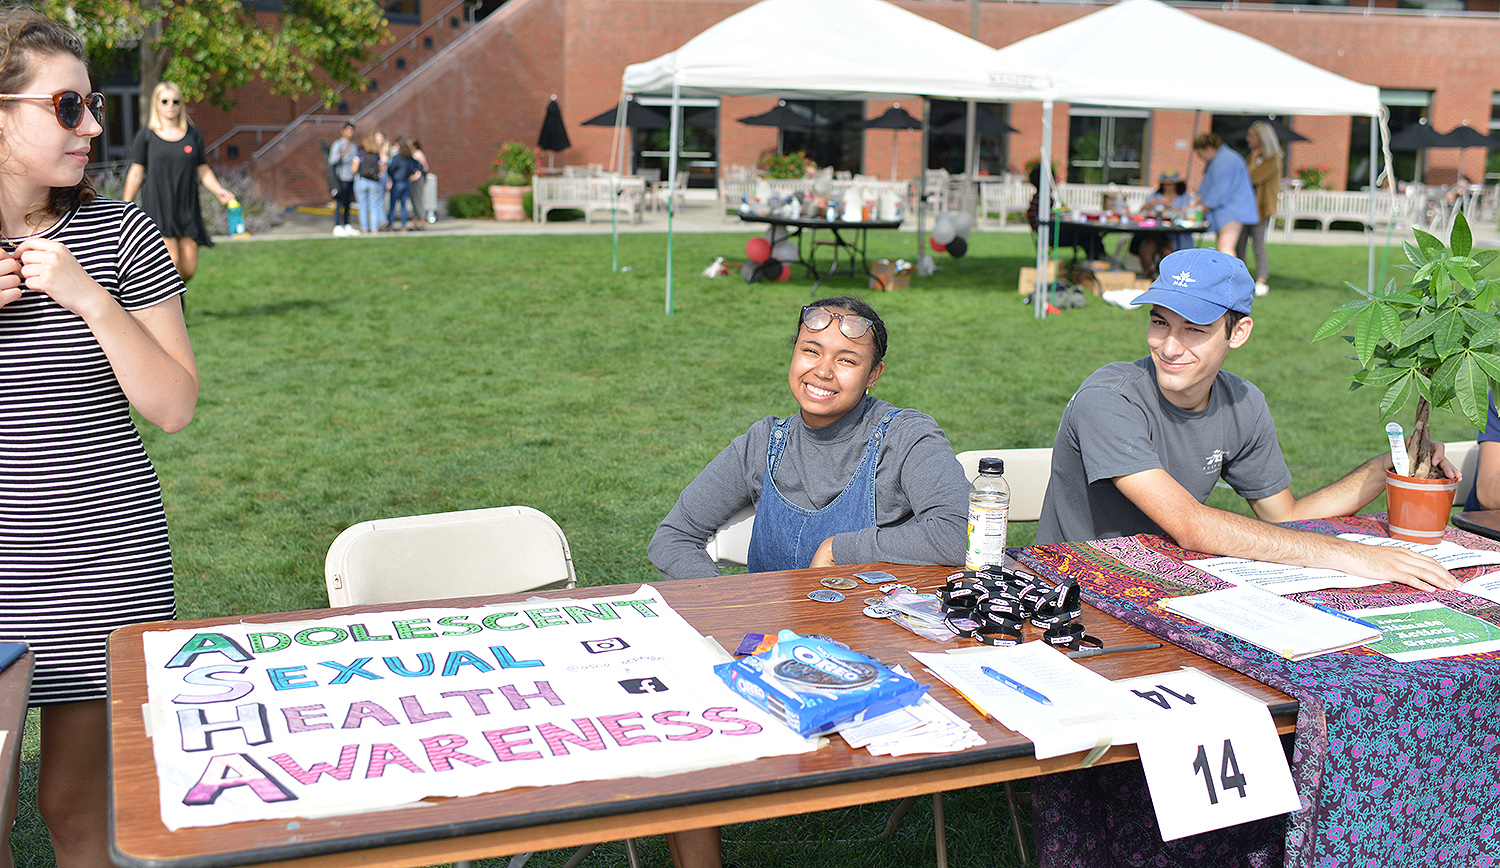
(643, 685)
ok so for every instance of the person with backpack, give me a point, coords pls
(369, 182)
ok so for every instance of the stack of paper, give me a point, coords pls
(1083, 709)
(1292, 579)
(1288, 628)
(927, 727)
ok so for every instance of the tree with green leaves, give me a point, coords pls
(212, 47)
(1438, 339)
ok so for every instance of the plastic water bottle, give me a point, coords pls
(989, 510)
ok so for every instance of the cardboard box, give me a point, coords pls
(1027, 283)
(1101, 281)
(883, 276)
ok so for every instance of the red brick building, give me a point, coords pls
(462, 87)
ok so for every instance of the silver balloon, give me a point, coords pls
(963, 223)
(943, 230)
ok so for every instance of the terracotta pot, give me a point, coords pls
(1418, 508)
(507, 202)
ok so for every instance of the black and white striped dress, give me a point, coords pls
(83, 538)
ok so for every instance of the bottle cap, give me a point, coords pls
(992, 465)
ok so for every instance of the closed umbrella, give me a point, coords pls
(554, 134)
(894, 119)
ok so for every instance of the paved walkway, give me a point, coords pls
(699, 213)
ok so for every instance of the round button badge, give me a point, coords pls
(839, 583)
(823, 595)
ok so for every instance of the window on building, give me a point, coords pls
(1105, 145)
(1406, 107)
(403, 11)
(698, 154)
(1492, 163)
(834, 140)
(945, 149)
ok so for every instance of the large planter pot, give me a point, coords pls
(1418, 508)
(507, 202)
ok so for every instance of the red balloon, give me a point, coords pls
(786, 272)
(940, 248)
(758, 249)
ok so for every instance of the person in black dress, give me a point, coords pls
(166, 165)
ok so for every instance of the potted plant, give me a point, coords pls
(1438, 339)
(514, 166)
(787, 166)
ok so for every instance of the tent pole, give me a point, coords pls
(1043, 217)
(617, 159)
(1376, 130)
(922, 188)
(672, 183)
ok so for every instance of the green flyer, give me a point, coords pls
(1425, 631)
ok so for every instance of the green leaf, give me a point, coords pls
(1395, 397)
(1485, 257)
(1448, 331)
(1489, 363)
(1441, 284)
(1366, 336)
(1429, 243)
(1379, 376)
(1471, 391)
(1414, 253)
(1462, 240)
(1419, 328)
(1460, 274)
(1340, 318)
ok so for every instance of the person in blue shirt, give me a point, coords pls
(1486, 491)
(1225, 191)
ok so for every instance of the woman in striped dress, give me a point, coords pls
(90, 325)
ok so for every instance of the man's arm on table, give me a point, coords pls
(1197, 527)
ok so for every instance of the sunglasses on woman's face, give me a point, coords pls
(166, 100)
(69, 105)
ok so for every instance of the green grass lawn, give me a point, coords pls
(345, 380)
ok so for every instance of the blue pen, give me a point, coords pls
(1318, 604)
(1015, 685)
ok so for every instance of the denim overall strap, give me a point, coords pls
(786, 536)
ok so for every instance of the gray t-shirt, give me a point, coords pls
(1119, 423)
(921, 495)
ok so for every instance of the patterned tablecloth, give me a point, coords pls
(1397, 764)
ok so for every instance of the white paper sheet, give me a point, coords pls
(1086, 706)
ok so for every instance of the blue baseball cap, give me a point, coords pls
(1200, 284)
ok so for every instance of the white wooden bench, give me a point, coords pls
(999, 198)
(627, 195)
(1326, 207)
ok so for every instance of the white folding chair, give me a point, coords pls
(1027, 471)
(730, 544)
(499, 550)
(1465, 456)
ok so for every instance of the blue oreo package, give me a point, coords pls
(815, 687)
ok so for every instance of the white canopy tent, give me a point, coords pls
(1211, 68)
(829, 49)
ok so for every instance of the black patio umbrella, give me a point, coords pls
(785, 117)
(1467, 137)
(554, 134)
(894, 119)
(1419, 137)
(984, 125)
(1283, 132)
(637, 117)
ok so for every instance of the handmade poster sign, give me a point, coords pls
(359, 711)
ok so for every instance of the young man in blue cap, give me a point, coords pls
(1142, 444)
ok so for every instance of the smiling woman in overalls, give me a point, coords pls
(852, 479)
(849, 479)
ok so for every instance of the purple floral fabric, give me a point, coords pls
(1397, 764)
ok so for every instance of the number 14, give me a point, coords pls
(1230, 777)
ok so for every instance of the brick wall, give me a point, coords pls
(494, 86)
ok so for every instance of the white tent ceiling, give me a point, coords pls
(1208, 67)
(835, 49)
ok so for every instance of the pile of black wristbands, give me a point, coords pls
(992, 605)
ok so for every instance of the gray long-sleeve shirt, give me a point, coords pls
(921, 495)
